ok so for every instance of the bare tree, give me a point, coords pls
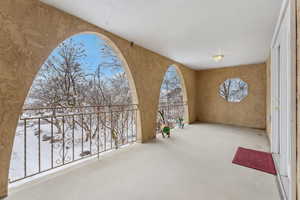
(63, 83)
(225, 89)
(171, 91)
(233, 90)
(61, 80)
(110, 91)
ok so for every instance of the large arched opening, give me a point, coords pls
(82, 102)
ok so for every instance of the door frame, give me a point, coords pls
(288, 8)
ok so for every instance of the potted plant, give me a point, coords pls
(164, 128)
(180, 122)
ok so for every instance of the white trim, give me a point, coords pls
(281, 190)
(279, 21)
(274, 99)
(292, 48)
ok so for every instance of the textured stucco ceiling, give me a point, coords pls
(190, 31)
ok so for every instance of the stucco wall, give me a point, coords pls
(30, 30)
(251, 112)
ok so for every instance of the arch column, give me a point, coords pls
(188, 81)
(148, 69)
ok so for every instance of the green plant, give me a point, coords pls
(165, 129)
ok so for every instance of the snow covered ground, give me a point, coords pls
(48, 155)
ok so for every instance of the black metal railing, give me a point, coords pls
(48, 138)
(173, 115)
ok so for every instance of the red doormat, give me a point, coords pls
(259, 160)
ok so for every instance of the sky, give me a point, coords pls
(93, 45)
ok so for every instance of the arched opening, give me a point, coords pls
(172, 111)
(82, 102)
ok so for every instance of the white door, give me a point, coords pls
(283, 104)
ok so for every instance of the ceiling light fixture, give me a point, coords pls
(218, 58)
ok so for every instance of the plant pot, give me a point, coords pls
(165, 129)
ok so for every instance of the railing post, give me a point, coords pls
(82, 133)
(132, 123)
(25, 148)
(73, 137)
(52, 141)
(90, 133)
(111, 127)
(105, 131)
(135, 124)
(127, 118)
(122, 130)
(98, 132)
(63, 150)
(39, 138)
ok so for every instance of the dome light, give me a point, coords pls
(218, 58)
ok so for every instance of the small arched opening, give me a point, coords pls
(173, 110)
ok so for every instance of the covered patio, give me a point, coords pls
(87, 89)
(195, 163)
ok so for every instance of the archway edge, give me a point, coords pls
(116, 49)
(184, 89)
(125, 65)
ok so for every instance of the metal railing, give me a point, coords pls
(48, 138)
(173, 114)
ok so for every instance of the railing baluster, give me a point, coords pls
(25, 147)
(120, 128)
(52, 140)
(105, 131)
(111, 129)
(127, 127)
(91, 133)
(82, 133)
(39, 138)
(63, 150)
(98, 132)
(131, 120)
(73, 138)
(135, 125)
